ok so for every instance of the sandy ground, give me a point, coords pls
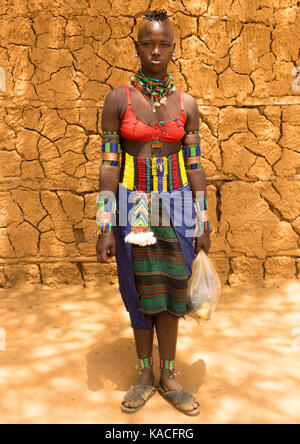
(67, 356)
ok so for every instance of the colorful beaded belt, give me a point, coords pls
(154, 174)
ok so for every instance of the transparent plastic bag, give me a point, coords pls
(204, 288)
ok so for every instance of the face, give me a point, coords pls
(155, 46)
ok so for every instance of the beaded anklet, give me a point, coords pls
(168, 365)
(145, 363)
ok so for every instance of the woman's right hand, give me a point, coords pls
(106, 247)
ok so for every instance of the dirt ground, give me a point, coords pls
(67, 356)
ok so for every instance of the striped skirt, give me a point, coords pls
(154, 278)
(160, 274)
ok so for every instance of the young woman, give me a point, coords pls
(154, 127)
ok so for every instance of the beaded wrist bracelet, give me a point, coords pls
(192, 156)
(202, 222)
(106, 212)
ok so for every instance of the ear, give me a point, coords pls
(136, 45)
(174, 45)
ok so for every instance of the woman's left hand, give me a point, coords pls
(202, 243)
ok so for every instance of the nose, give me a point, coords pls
(155, 50)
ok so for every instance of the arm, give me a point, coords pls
(109, 174)
(194, 169)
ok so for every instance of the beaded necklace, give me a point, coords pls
(158, 90)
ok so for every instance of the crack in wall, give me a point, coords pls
(71, 25)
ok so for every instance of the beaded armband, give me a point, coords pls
(106, 212)
(192, 156)
(108, 133)
(202, 222)
(111, 149)
(191, 132)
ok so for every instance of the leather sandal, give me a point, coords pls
(138, 393)
(180, 399)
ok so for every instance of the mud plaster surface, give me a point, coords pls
(69, 357)
(60, 59)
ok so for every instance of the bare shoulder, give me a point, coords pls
(112, 109)
(115, 97)
(190, 104)
(191, 111)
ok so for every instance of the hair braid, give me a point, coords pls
(156, 15)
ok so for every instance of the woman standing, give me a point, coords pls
(154, 128)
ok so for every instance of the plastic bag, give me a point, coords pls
(204, 288)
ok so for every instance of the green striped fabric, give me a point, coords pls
(161, 274)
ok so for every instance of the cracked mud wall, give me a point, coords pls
(58, 61)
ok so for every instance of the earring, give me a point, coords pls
(136, 54)
(173, 57)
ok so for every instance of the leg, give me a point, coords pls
(144, 341)
(167, 331)
(144, 345)
(166, 327)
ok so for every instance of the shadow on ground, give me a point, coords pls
(68, 356)
(112, 362)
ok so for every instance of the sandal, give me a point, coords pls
(138, 393)
(180, 399)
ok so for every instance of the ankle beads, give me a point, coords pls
(168, 365)
(145, 363)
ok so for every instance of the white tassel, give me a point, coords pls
(143, 238)
(140, 233)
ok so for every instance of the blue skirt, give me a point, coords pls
(180, 208)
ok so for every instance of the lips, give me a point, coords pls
(155, 61)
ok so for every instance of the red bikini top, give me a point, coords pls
(133, 128)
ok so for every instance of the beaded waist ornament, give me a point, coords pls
(140, 233)
(141, 173)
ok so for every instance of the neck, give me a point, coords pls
(154, 75)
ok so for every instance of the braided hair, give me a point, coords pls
(156, 15)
